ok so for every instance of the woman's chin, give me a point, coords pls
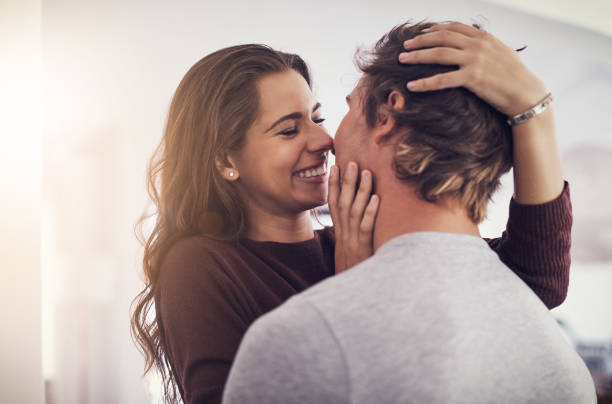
(315, 203)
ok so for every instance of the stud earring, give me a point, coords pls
(231, 174)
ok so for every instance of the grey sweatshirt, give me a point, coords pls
(430, 318)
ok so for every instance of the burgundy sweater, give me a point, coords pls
(210, 291)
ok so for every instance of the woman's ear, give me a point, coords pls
(227, 168)
(383, 131)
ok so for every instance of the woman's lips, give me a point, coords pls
(316, 174)
(316, 179)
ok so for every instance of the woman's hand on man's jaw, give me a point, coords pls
(353, 211)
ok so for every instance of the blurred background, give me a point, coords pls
(84, 96)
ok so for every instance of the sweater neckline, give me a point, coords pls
(446, 242)
(305, 243)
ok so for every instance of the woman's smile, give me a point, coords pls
(315, 174)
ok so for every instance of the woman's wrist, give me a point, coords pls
(537, 167)
(539, 108)
(532, 92)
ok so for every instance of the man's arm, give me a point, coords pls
(289, 355)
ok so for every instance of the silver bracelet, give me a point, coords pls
(531, 112)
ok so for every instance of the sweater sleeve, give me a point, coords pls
(536, 246)
(289, 356)
(202, 325)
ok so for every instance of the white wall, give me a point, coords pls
(20, 195)
(590, 14)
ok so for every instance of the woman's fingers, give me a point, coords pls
(457, 27)
(487, 67)
(444, 38)
(359, 204)
(347, 194)
(441, 56)
(366, 226)
(438, 82)
(443, 46)
(333, 193)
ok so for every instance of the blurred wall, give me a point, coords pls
(21, 378)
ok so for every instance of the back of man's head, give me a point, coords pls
(451, 143)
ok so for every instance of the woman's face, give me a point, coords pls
(283, 164)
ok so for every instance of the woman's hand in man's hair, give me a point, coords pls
(486, 66)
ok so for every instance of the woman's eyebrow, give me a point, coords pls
(293, 115)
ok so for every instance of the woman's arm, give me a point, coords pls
(536, 246)
(536, 242)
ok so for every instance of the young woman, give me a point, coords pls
(243, 160)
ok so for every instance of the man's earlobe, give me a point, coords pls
(384, 130)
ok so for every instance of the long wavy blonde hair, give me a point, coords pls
(213, 107)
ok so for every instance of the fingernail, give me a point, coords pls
(404, 57)
(411, 85)
(374, 198)
(408, 42)
(332, 171)
(352, 168)
(365, 175)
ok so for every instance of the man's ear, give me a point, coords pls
(385, 120)
(227, 168)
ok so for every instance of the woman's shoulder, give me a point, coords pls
(193, 289)
(199, 246)
(195, 257)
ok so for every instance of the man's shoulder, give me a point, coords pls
(288, 355)
(344, 293)
(284, 319)
(343, 282)
(313, 309)
(297, 326)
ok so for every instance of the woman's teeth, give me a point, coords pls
(311, 172)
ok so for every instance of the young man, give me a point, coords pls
(433, 316)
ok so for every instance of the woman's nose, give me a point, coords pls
(319, 140)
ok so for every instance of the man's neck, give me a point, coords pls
(401, 212)
(283, 228)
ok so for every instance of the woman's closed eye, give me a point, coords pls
(289, 132)
(294, 130)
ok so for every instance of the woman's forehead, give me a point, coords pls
(284, 93)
